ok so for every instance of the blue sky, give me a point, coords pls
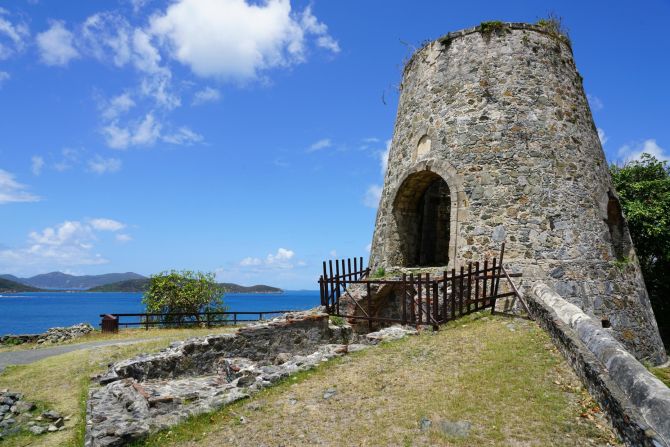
(247, 138)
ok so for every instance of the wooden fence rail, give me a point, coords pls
(420, 299)
(112, 322)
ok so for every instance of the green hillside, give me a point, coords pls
(140, 285)
(7, 286)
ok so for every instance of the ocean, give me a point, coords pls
(35, 312)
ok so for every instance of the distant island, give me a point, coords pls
(110, 282)
(9, 286)
(140, 285)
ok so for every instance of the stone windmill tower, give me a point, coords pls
(494, 141)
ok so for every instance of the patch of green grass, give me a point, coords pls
(61, 382)
(493, 26)
(379, 273)
(662, 373)
(337, 321)
(503, 376)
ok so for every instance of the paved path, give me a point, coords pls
(33, 355)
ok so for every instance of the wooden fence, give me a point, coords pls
(112, 322)
(421, 299)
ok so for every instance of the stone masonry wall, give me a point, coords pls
(503, 118)
(636, 402)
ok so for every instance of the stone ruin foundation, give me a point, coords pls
(148, 393)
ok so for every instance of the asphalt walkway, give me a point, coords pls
(33, 355)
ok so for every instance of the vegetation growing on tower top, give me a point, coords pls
(493, 26)
(554, 26)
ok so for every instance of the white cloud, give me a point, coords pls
(70, 243)
(117, 106)
(101, 165)
(13, 36)
(333, 253)
(321, 144)
(372, 196)
(384, 157)
(183, 136)
(70, 157)
(103, 224)
(248, 261)
(282, 255)
(328, 43)
(13, 191)
(233, 39)
(140, 133)
(107, 37)
(595, 102)
(280, 260)
(368, 248)
(138, 5)
(602, 136)
(56, 45)
(630, 152)
(36, 164)
(4, 77)
(122, 237)
(208, 94)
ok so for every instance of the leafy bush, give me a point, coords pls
(185, 292)
(644, 192)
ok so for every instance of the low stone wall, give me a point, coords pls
(52, 335)
(153, 392)
(637, 403)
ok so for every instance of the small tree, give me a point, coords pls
(644, 190)
(187, 292)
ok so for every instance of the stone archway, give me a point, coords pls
(422, 213)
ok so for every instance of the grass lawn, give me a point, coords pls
(502, 376)
(61, 382)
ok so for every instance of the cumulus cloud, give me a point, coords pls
(595, 102)
(36, 164)
(634, 151)
(282, 255)
(13, 36)
(4, 77)
(117, 106)
(234, 39)
(70, 243)
(122, 237)
(372, 196)
(208, 94)
(56, 45)
(103, 224)
(279, 260)
(144, 132)
(384, 157)
(321, 144)
(13, 191)
(602, 136)
(101, 165)
(183, 136)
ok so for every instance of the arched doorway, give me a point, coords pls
(422, 211)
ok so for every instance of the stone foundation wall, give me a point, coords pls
(637, 403)
(152, 392)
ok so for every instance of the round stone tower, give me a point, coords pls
(494, 141)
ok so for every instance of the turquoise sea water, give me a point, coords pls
(29, 313)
